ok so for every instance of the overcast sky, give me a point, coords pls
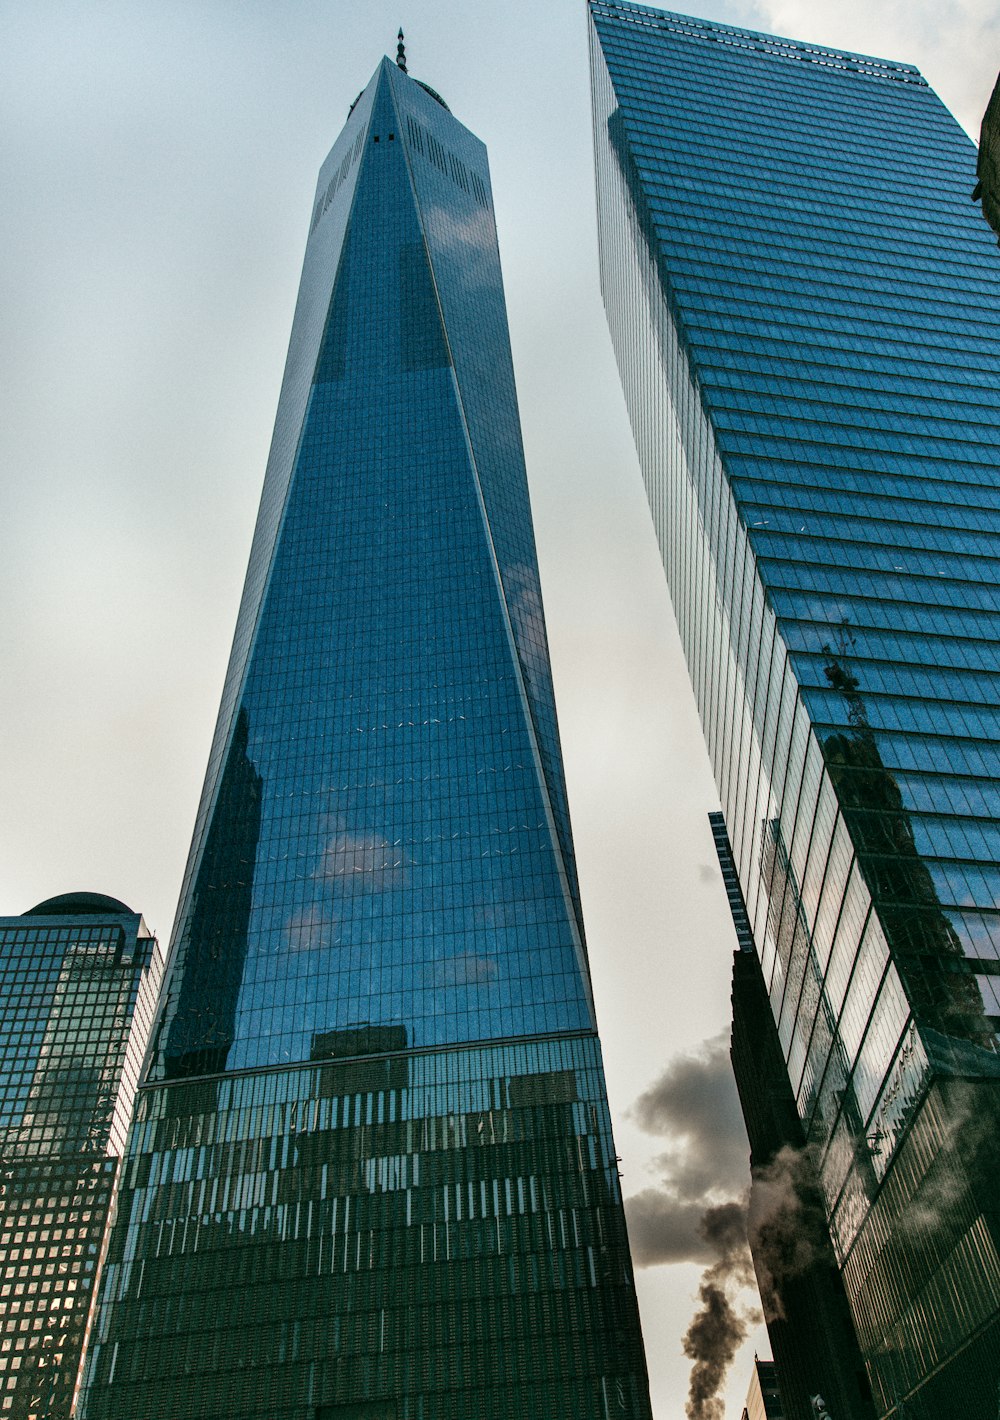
(157, 164)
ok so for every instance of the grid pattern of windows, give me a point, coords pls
(419, 1237)
(763, 1397)
(342, 1199)
(76, 999)
(388, 839)
(804, 306)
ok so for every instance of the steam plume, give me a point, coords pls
(721, 1324)
(786, 1222)
(697, 1212)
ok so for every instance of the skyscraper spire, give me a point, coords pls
(401, 51)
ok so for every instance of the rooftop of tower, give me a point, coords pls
(79, 904)
(713, 32)
(401, 64)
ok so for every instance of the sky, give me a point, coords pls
(158, 164)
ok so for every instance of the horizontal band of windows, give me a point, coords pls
(917, 649)
(701, 196)
(891, 713)
(869, 452)
(815, 540)
(760, 160)
(771, 351)
(906, 415)
(900, 680)
(839, 472)
(826, 385)
(691, 96)
(772, 252)
(790, 509)
(921, 595)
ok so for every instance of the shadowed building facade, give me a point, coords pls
(763, 1401)
(79, 976)
(987, 188)
(802, 1293)
(371, 1174)
(805, 305)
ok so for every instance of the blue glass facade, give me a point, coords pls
(390, 790)
(804, 305)
(79, 977)
(334, 1209)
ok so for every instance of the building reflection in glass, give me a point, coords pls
(925, 946)
(335, 1199)
(78, 981)
(199, 1032)
(813, 390)
(371, 1173)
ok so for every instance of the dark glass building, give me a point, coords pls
(79, 977)
(371, 1174)
(987, 188)
(816, 1352)
(763, 1401)
(805, 307)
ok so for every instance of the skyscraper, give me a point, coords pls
(802, 1293)
(371, 1174)
(804, 306)
(79, 975)
(763, 1401)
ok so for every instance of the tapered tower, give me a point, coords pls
(371, 1173)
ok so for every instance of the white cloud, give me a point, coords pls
(954, 43)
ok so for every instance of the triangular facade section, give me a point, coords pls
(450, 174)
(409, 870)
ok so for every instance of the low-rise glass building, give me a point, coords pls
(79, 977)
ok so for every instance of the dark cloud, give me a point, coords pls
(721, 1323)
(724, 1228)
(711, 1341)
(695, 1107)
(698, 1211)
(664, 1228)
(717, 1331)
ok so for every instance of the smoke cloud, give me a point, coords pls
(785, 1222)
(720, 1324)
(695, 1108)
(698, 1210)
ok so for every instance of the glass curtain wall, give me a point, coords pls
(372, 1175)
(804, 308)
(78, 982)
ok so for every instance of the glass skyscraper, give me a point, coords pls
(805, 307)
(802, 1294)
(371, 1174)
(79, 976)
